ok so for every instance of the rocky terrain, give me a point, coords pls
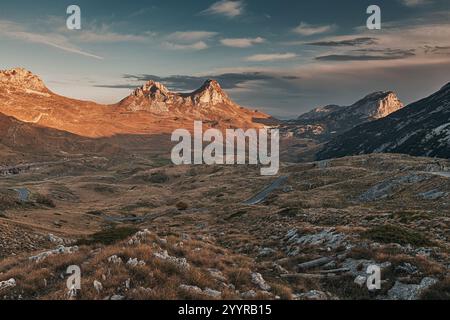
(150, 230)
(93, 185)
(421, 129)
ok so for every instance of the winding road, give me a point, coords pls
(263, 194)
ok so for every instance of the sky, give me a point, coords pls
(282, 57)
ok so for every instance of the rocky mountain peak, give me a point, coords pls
(210, 93)
(21, 78)
(152, 89)
(378, 105)
(155, 97)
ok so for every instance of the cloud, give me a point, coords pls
(58, 41)
(242, 42)
(188, 83)
(345, 43)
(415, 3)
(188, 40)
(230, 9)
(369, 55)
(200, 45)
(188, 36)
(271, 57)
(436, 49)
(306, 29)
(110, 37)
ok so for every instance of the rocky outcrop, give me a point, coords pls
(155, 97)
(21, 78)
(402, 291)
(11, 283)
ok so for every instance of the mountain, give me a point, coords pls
(325, 123)
(319, 113)
(420, 129)
(25, 141)
(150, 109)
(155, 97)
(20, 78)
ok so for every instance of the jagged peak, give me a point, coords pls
(378, 104)
(379, 95)
(211, 84)
(154, 85)
(23, 78)
(210, 93)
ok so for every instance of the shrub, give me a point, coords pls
(439, 291)
(394, 234)
(182, 206)
(158, 177)
(45, 200)
(109, 236)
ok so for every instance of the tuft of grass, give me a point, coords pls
(95, 213)
(438, 291)
(45, 200)
(158, 177)
(109, 236)
(395, 234)
(182, 206)
(161, 162)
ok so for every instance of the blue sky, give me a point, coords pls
(283, 57)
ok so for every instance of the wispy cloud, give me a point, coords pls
(415, 3)
(188, 36)
(230, 9)
(271, 57)
(104, 34)
(242, 42)
(58, 41)
(369, 55)
(306, 29)
(189, 83)
(354, 42)
(199, 45)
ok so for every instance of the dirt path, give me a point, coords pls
(263, 194)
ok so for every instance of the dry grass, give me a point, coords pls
(157, 279)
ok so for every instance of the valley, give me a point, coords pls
(94, 186)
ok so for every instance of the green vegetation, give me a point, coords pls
(439, 291)
(109, 236)
(45, 200)
(158, 177)
(394, 234)
(182, 206)
(161, 162)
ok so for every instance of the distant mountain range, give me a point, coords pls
(150, 109)
(420, 129)
(35, 120)
(324, 123)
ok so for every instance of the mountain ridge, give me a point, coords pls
(149, 109)
(325, 122)
(420, 129)
(155, 97)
